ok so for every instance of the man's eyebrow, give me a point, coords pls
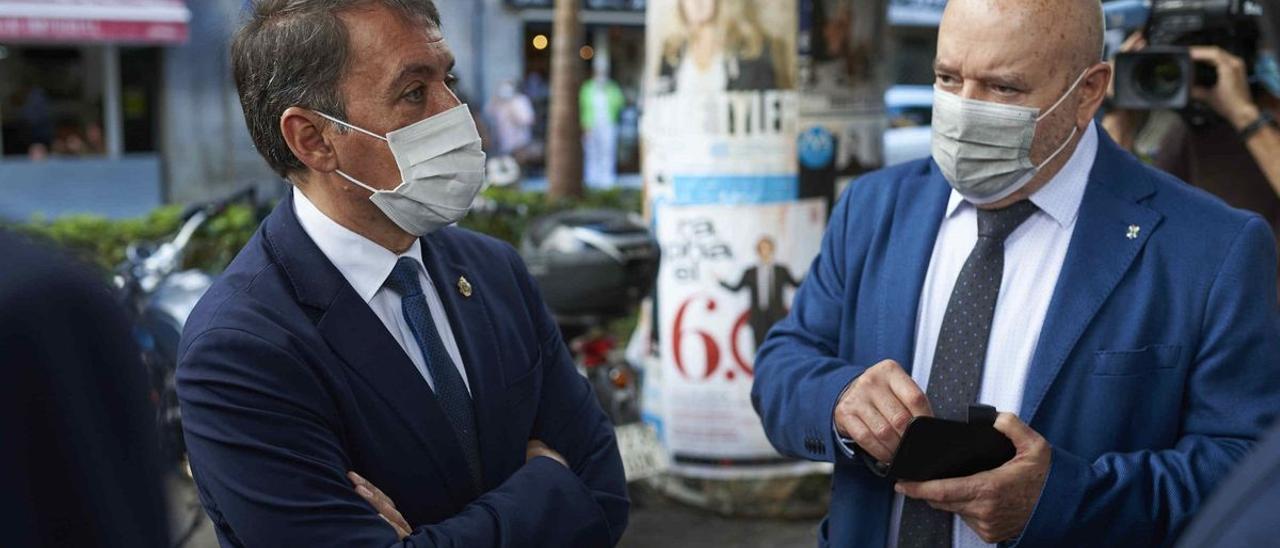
(1015, 80)
(414, 69)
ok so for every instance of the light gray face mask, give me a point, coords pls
(441, 169)
(984, 148)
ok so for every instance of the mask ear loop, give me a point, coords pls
(357, 128)
(1060, 99)
(1074, 129)
(361, 130)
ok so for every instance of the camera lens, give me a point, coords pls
(1159, 78)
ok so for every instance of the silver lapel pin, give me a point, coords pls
(464, 287)
(1133, 232)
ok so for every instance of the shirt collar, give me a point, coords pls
(365, 264)
(1061, 197)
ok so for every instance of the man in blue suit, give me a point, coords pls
(1122, 321)
(364, 374)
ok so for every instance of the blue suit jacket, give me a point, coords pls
(287, 380)
(1157, 367)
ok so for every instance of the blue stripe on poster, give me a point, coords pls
(734, 189)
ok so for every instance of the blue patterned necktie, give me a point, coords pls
(450, 389)
(961, 353)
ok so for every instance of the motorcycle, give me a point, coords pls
(161, 295)
(595, 267)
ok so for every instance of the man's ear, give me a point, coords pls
(1093, 91)
(303, 131)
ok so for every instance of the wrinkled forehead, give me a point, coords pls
(382, 42)
(985, 36)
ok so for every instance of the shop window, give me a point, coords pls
(52, 100)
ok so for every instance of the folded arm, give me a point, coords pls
(264, 443)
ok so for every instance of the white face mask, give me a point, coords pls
(984, 148)
(441, 169)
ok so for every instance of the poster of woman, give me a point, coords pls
(712, 46)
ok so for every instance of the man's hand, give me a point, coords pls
(876, 407)
(382, 503)
(996, 504)
(537, 449)
(1230, 98)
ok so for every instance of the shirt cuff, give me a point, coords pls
(847, 446)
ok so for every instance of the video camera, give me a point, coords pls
(1162, 75)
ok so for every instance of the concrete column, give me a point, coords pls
(112, 113)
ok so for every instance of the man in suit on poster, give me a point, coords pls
(766, 282)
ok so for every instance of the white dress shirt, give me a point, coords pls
(1033, 254)
(764, 282)
(366, 266)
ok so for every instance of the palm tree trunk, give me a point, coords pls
(564, 163)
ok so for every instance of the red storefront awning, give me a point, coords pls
(94, 21)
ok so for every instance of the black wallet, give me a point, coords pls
(935, 448)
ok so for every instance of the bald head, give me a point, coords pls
(1067, 33)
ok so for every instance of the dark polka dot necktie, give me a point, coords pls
(960, 353)
(450, 389)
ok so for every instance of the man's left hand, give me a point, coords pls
(382, 503)
(997, 504)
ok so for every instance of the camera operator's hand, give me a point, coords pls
(1230, 98)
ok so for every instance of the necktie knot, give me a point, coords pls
(404, 278)
(998, 224)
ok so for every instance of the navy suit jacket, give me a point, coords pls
(1156, 370)
(81, 464)
(287, 380)
(1243, 511)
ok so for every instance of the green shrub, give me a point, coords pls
(103, 241)
(510, 226)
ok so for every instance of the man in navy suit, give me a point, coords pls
(77, 435)
(1122, 321)
(364, 374)
(1242, 511)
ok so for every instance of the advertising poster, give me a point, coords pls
(753, 112)
(841, 108)
(723, 283)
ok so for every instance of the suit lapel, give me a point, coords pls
(365, 346)
(1102, 249)
(916, 219)
(477, 341)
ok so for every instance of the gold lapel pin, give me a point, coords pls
(1133, 232)
(464, 287)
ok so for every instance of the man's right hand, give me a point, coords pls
(876, 408)
(536, 449)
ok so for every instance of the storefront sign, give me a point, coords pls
(113, 21)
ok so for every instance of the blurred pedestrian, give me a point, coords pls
(510, 114)
(601, 102)
(77, 434)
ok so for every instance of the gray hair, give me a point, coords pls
(294, 53)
